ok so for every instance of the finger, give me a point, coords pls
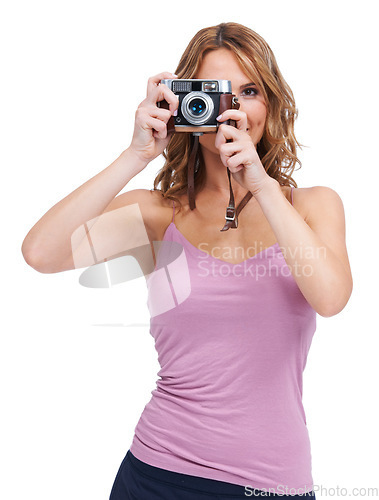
(240, 118)
(157, 126)
(224, 133)
(230, 148)
(240, 159)
(154, 81)
(162, 92)
(160, 113)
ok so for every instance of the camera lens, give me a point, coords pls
(197, 107)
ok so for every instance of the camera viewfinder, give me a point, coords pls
(210, 87)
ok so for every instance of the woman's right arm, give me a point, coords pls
(48, 245)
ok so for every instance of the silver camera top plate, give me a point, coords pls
(223, 86)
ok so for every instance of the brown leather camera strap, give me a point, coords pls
(191, 172)
(231, 217)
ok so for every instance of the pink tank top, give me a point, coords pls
(232, 343)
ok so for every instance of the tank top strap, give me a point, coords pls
(292, 195)
(173, 211)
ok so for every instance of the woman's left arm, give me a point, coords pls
(314, 248)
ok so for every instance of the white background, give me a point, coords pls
(73, 74)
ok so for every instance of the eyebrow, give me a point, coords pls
(247, 85)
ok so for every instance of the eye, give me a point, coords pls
(250, 91)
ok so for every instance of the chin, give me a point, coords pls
(207, 141)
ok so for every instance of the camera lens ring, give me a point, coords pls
(197, 120)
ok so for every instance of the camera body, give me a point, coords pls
(200, 102)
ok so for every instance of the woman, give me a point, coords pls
(226, 419)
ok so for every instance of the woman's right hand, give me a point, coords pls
(150, 136)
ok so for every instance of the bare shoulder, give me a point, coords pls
(317, 203)
(163, 212)
(140, 196)
(156, 211)
(325, 215)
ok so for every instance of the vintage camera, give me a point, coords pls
(200, 102)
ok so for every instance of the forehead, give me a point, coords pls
(221, 64)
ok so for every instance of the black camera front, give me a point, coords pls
(200, 102)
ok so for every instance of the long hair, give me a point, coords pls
(277, 147)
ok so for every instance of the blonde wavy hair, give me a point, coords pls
(277, 148)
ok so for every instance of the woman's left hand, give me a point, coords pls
(240, 155)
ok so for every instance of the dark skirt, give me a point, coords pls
(136, 480)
